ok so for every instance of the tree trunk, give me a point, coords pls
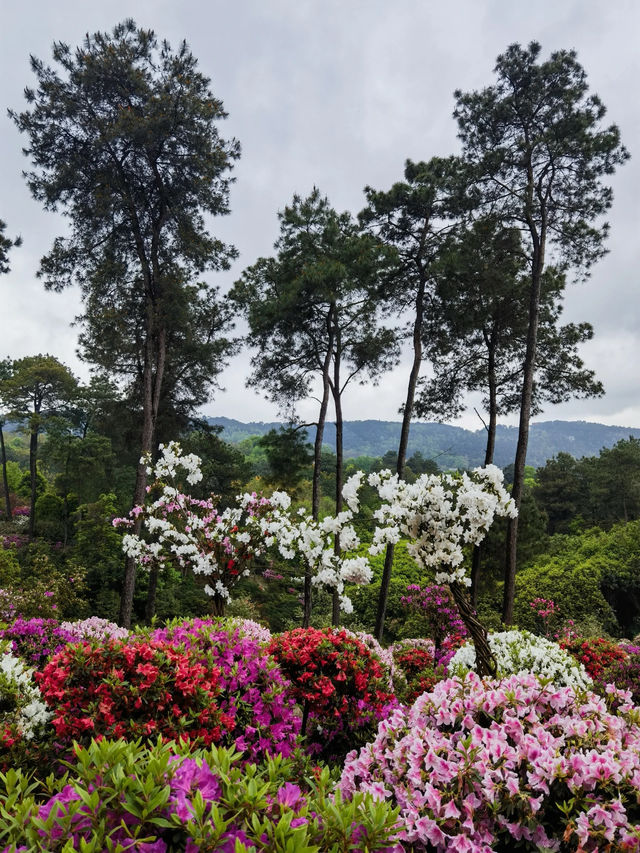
(33, 471)
(317, 454)
(402, 450)
(523, 429)
(5, 479)
(337, 400)
(217, 606)
(488, 455)
(152, 591)
(155, 355)
(485, 661)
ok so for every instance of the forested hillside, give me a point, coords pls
(453, 447)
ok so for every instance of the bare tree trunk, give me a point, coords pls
(523, 429)
(488, 457)
(485, 661)
(152, 592)
(155, 355)
(402, 450)
(317, 455)
(33, 471)
(5, 479)
(337, 400)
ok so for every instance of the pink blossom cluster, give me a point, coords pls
(475, 766)
(94, 628)
(253, 630)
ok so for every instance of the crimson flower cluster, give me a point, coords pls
(418, 667)
(133, 688)
(339, 683)
(595, 653)
(624, 673)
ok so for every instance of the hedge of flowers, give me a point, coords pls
(486, 765)
(521, 652)
(135, 688)
(340, 685)
(128, 797)
(252, 693)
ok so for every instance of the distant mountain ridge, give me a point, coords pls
(450, 446)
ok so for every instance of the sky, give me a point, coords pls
(338, 94)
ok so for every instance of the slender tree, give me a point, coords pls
(123, 139)
(477, 332)
(538, 152)
(414, 217)
(5, 373)
(37, 388)
(314, 313)
(6, 243)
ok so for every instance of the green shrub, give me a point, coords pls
(123, 796)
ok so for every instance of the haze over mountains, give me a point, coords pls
(450, 446)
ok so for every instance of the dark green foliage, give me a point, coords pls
(224, 467)
(23, 488)
(98, 552)
(289, 456)
(592, 578)
(561, 489)
(6, 243)
(599, 490)
(51, 518)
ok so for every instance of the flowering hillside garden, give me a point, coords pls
(232, 736)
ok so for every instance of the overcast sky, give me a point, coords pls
(338, 94)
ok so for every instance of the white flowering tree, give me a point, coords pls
(440, 515)
(222, 546)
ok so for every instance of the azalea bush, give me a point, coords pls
(521, 652)
(624, 673)
(23, 712)
(261, 714)
(132, 688)
(480, 765)
(35, 640)
(339, 684)
(439, 514)
(156, 798)
(415, 660)
(94, 628)
(436, 607)
(595, 653)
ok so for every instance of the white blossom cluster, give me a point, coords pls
(519, 652)
(172, 458)
(221, 545)
(440, 514)
(17, 685)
